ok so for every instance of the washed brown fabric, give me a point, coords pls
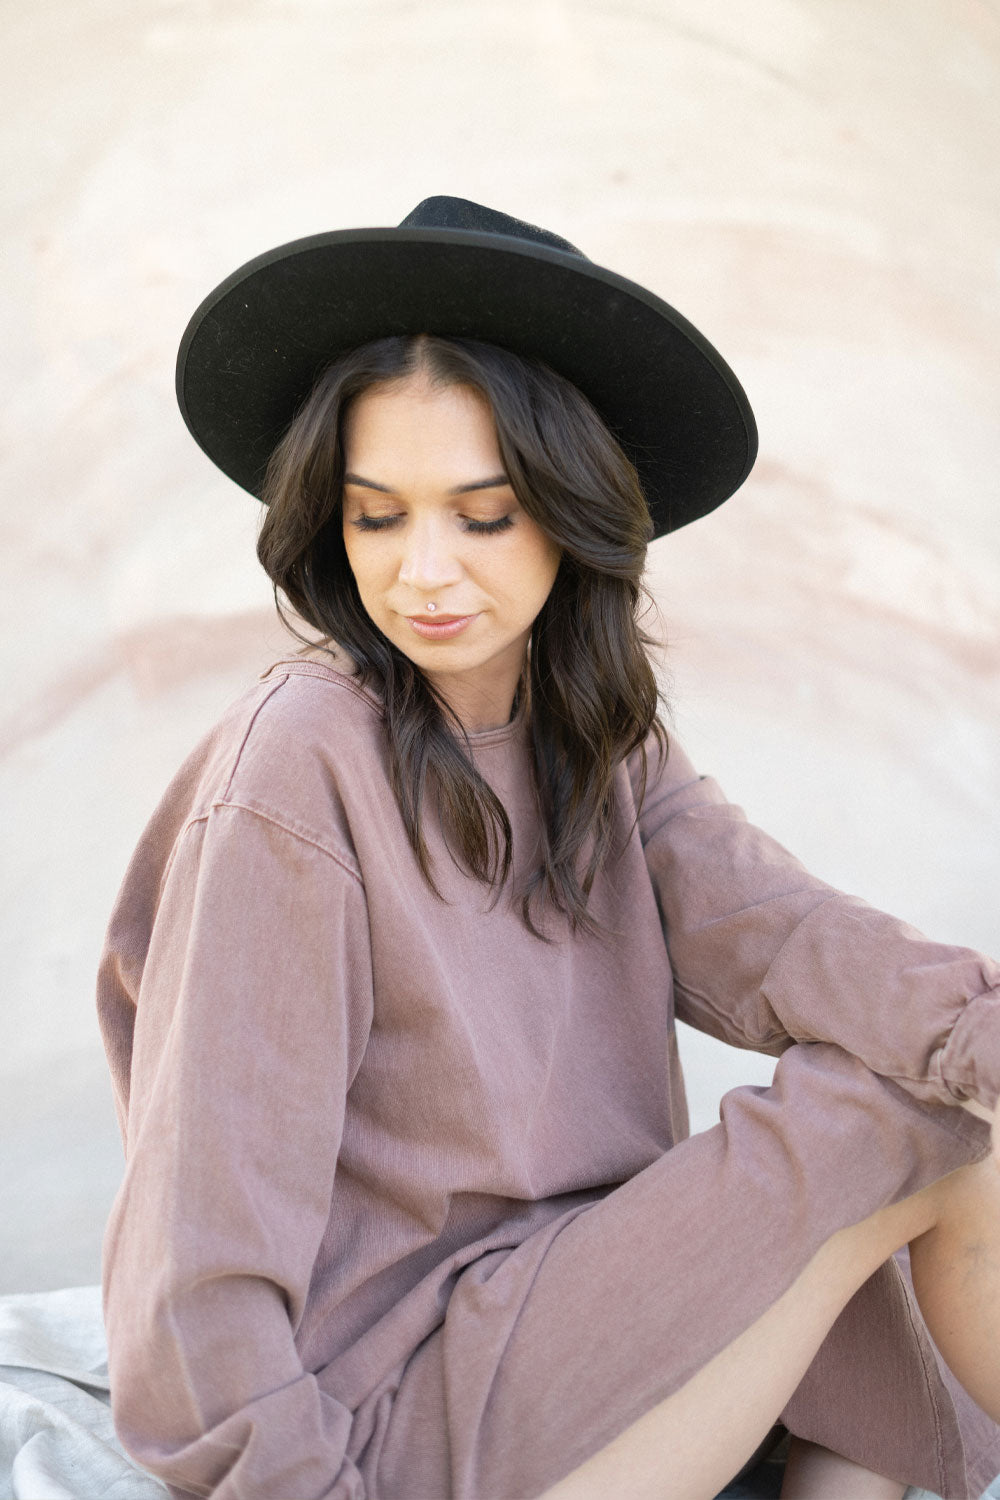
(408, 1210)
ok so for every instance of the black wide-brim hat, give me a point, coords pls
(254, 348)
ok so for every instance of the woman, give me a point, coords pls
(409, 1208)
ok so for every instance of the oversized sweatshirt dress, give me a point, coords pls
(410, 1210)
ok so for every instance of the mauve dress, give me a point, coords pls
(410, 1210)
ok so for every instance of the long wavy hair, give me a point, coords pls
(590, 693)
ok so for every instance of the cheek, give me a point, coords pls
(532, 578)
(367, 564)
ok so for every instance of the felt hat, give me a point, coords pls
(255, 346)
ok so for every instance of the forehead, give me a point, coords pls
(416, 420)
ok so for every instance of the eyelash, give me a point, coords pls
(477, 528)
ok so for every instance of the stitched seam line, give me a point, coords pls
(303, 838)
(242, 746)
(328, 675)
(938, 1434)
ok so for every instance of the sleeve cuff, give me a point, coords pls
(969, 1063)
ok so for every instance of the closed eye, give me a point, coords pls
(373, 523)
(490, 528)
(477, 528)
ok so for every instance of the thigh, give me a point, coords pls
(639, 1290)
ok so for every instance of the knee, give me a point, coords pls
(859, 1249)
(963, 1202)
(966, 1203)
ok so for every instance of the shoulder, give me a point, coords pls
(301, 710)
(299, 747)
(294, 748)
(278, 762)
(672, 783)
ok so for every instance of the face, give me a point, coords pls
(430, 518)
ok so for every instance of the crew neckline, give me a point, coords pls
(500, 732)
(317, 666)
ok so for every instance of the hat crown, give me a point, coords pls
(443, 212)
(255, 347)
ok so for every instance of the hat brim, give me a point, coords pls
(255, 346)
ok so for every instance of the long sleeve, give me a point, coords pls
(250, 1021)
(764, 954)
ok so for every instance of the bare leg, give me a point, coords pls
(956, 1275)
(816, 1473)
(953, 1227)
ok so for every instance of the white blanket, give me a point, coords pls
(57, 1441)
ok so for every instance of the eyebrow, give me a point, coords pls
(497, 481)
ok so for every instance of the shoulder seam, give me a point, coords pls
(303, 669)
(348, 867)
(330, 675)
(338, 858)
(246, 735)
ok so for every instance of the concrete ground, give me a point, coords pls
(812, 184)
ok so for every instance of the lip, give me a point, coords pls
(440, 630)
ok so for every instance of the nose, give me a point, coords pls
(429, 559)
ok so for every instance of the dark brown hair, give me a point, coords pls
(591, 695)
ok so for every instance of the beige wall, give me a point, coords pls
(812, 182)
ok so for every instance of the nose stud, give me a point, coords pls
(432, 606)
